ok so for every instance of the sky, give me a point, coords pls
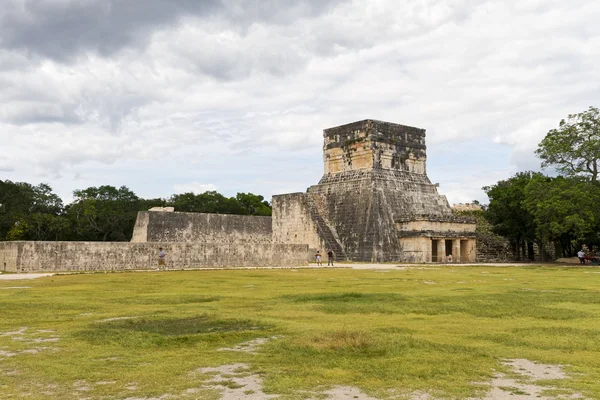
(171, 96)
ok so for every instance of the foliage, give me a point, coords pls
(30, 212)
(507, 212)
(565, 210)
(103, 213)
(574, 148)
(253, 204)
(213, 202)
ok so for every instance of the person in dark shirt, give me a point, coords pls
(330, 257)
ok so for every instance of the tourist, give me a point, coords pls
(581, 254)
(449, 258)
(318, 257)
(161, 259)
(330, 257)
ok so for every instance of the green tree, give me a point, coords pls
(565, 211)
(103, 213)
(574, 148)
(213, 202)
(30, 212)
(253, 204)
(207, 202)
(509, 216)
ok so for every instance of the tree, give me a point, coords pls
(30, 212)
(574, 148)
(508, 215)
(253, 204)
(103, 213)
(565, 211)
(213, 202)
(207, 202)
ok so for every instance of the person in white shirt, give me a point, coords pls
(581, 254)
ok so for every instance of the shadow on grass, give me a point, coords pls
(515, 303)
(143, 332)
(165, 299)
(548, 338)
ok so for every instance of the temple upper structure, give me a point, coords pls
(375, 202)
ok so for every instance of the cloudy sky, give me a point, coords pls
(168, 96)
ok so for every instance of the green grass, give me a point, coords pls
(439, 330)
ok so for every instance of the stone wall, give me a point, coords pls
(493, 248)
(372, 144)
(292, 221)
(108, 256)
(154, 226)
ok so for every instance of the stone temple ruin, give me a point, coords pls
(374, 203)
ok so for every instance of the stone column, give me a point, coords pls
(428, 250)
(456, 250)
(441, 250)
(472, 250)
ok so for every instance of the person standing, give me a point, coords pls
(581, 254)
(318, 257)
(330, 257)
(162, 255)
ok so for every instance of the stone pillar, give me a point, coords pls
(472, 250)
(456, 250)
(441, 250)
(428, 250)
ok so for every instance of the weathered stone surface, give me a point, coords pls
(106, 256)
(162, 209)
(199, 227)
(373, 192)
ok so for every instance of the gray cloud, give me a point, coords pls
(60, 29)
(63, 29)
(236, 93)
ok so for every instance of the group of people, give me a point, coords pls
(330, 256)
(583, 257)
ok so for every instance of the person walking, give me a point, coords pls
(330, 257)
(581, 254)
(161, 259)
(318, 257)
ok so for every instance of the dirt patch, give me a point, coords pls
(526, 386)
(235, 382)
(15, 287)
(15, 277)
(344, 393)
(19, 332)
(250, 346)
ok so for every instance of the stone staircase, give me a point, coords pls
(326, 232)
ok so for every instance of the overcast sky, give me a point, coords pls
(168, 96)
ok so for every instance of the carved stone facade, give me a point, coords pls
(375, 202)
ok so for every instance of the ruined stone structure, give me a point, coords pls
(191, 240)
(375, 202)
(161, 226)
(27, 256)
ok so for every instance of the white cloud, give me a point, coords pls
(193, 187)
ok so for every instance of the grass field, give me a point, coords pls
(390, 333)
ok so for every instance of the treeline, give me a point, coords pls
(104, 213)
(563, 211)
